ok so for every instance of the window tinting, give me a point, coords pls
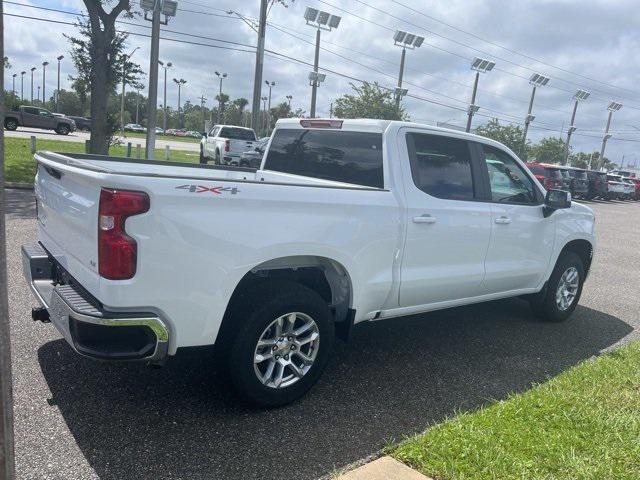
(509, 183)
(339, 155)
(31, 110)
(237, 134)
(441, 166)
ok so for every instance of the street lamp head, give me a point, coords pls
(538, 80)
(400, 92)
(581, 94)
(407, 40)
(169, 64)
(22, 73)
(60, 57)
(15, 75)
(614, 106)
(44, 64)
(321, 19)
(33, 69)
(482, 65)
(474, 109)
(169, 8)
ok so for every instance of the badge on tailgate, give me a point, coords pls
(205, 188)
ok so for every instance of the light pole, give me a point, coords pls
(44, 82)
(270, 85)
(289, 97)
(38, 92)
(137, 105)
(404, 40)
(221, 76)
(167, 8)
(320, 20)
(579, 95)
(32, 70)
(264, 113)
(22, 86)
(124, 81)
(613, 107)
(180, 83)
(480, 65)
(536, 81)
(164, 104)
(203, 101)
(58, 90)
(13, 79)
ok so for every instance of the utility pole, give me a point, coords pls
(33, 69)
(472, 105)
(168, 10)
(164, 102)
(7, 465)
(58, 91)
(400, 75)
(221, 76)
(44, 82)
(315, 84)
(257, 80)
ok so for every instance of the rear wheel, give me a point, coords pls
(10, 124)
(561, 297)
(282, 345)
(62, 130)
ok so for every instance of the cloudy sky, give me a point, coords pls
(586, 44)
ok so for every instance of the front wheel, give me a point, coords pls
(62, 130)
(561, 297)
(282, 345)
(10, 124)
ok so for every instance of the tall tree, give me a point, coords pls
(509, 135)
(548, 150)
(98, 54)
(369, 101)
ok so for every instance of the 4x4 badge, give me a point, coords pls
(203, 188)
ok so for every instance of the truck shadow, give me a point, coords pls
(396, 378)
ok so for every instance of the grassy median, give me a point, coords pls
(19, 165)
(583, 424)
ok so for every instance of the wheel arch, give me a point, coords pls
(581, 247)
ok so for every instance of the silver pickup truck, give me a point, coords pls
(36, 117)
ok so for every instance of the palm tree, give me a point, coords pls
(241, 103)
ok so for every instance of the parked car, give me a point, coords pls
(159, 131)
(636, 183)
(170, 131)
(253, 158)
(618, 190)
(348, 221)
(82, 123)
(548, 175)
(35, 117)
(579, 182)
(598, 185)
(225, 143)
(134, 127)
(180, 132)
(630, 190)
(194, 134)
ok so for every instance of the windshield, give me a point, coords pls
(237, 133)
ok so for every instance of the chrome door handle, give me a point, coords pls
(503, 220)
(426, 218)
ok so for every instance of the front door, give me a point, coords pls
(448, 227)
(522, 238)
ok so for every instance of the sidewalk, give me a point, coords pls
(384, 468)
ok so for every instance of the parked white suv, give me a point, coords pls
(345, 222)
(224, 144)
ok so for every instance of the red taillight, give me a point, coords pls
(227, 145)
(117, 251)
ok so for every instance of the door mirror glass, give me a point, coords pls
(204, 134)
(556, 200)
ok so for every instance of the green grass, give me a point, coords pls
(161, 137)
(583, 424)
(20, 166)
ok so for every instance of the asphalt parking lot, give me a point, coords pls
(79, 419)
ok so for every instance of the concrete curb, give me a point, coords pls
(384, 468)
(19, 186)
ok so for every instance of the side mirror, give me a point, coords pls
(204, 134)
(556, 200)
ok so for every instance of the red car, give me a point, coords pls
(550, 176)
(636, 181)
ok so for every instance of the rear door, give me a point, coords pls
(522, 238)
(31, 117)
(447, 225)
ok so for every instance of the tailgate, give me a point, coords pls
(67, 206)
(240, 146)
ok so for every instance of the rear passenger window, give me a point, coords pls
(441, 166)
(339, 155)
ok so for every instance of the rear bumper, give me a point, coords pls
(83, 322)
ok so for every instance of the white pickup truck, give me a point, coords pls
(345, 222)
(224, 144)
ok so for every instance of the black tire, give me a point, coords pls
(544, 304)
(266, 304)
(203, 159)
(63, 130)
(216, 159)
(10, 124)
